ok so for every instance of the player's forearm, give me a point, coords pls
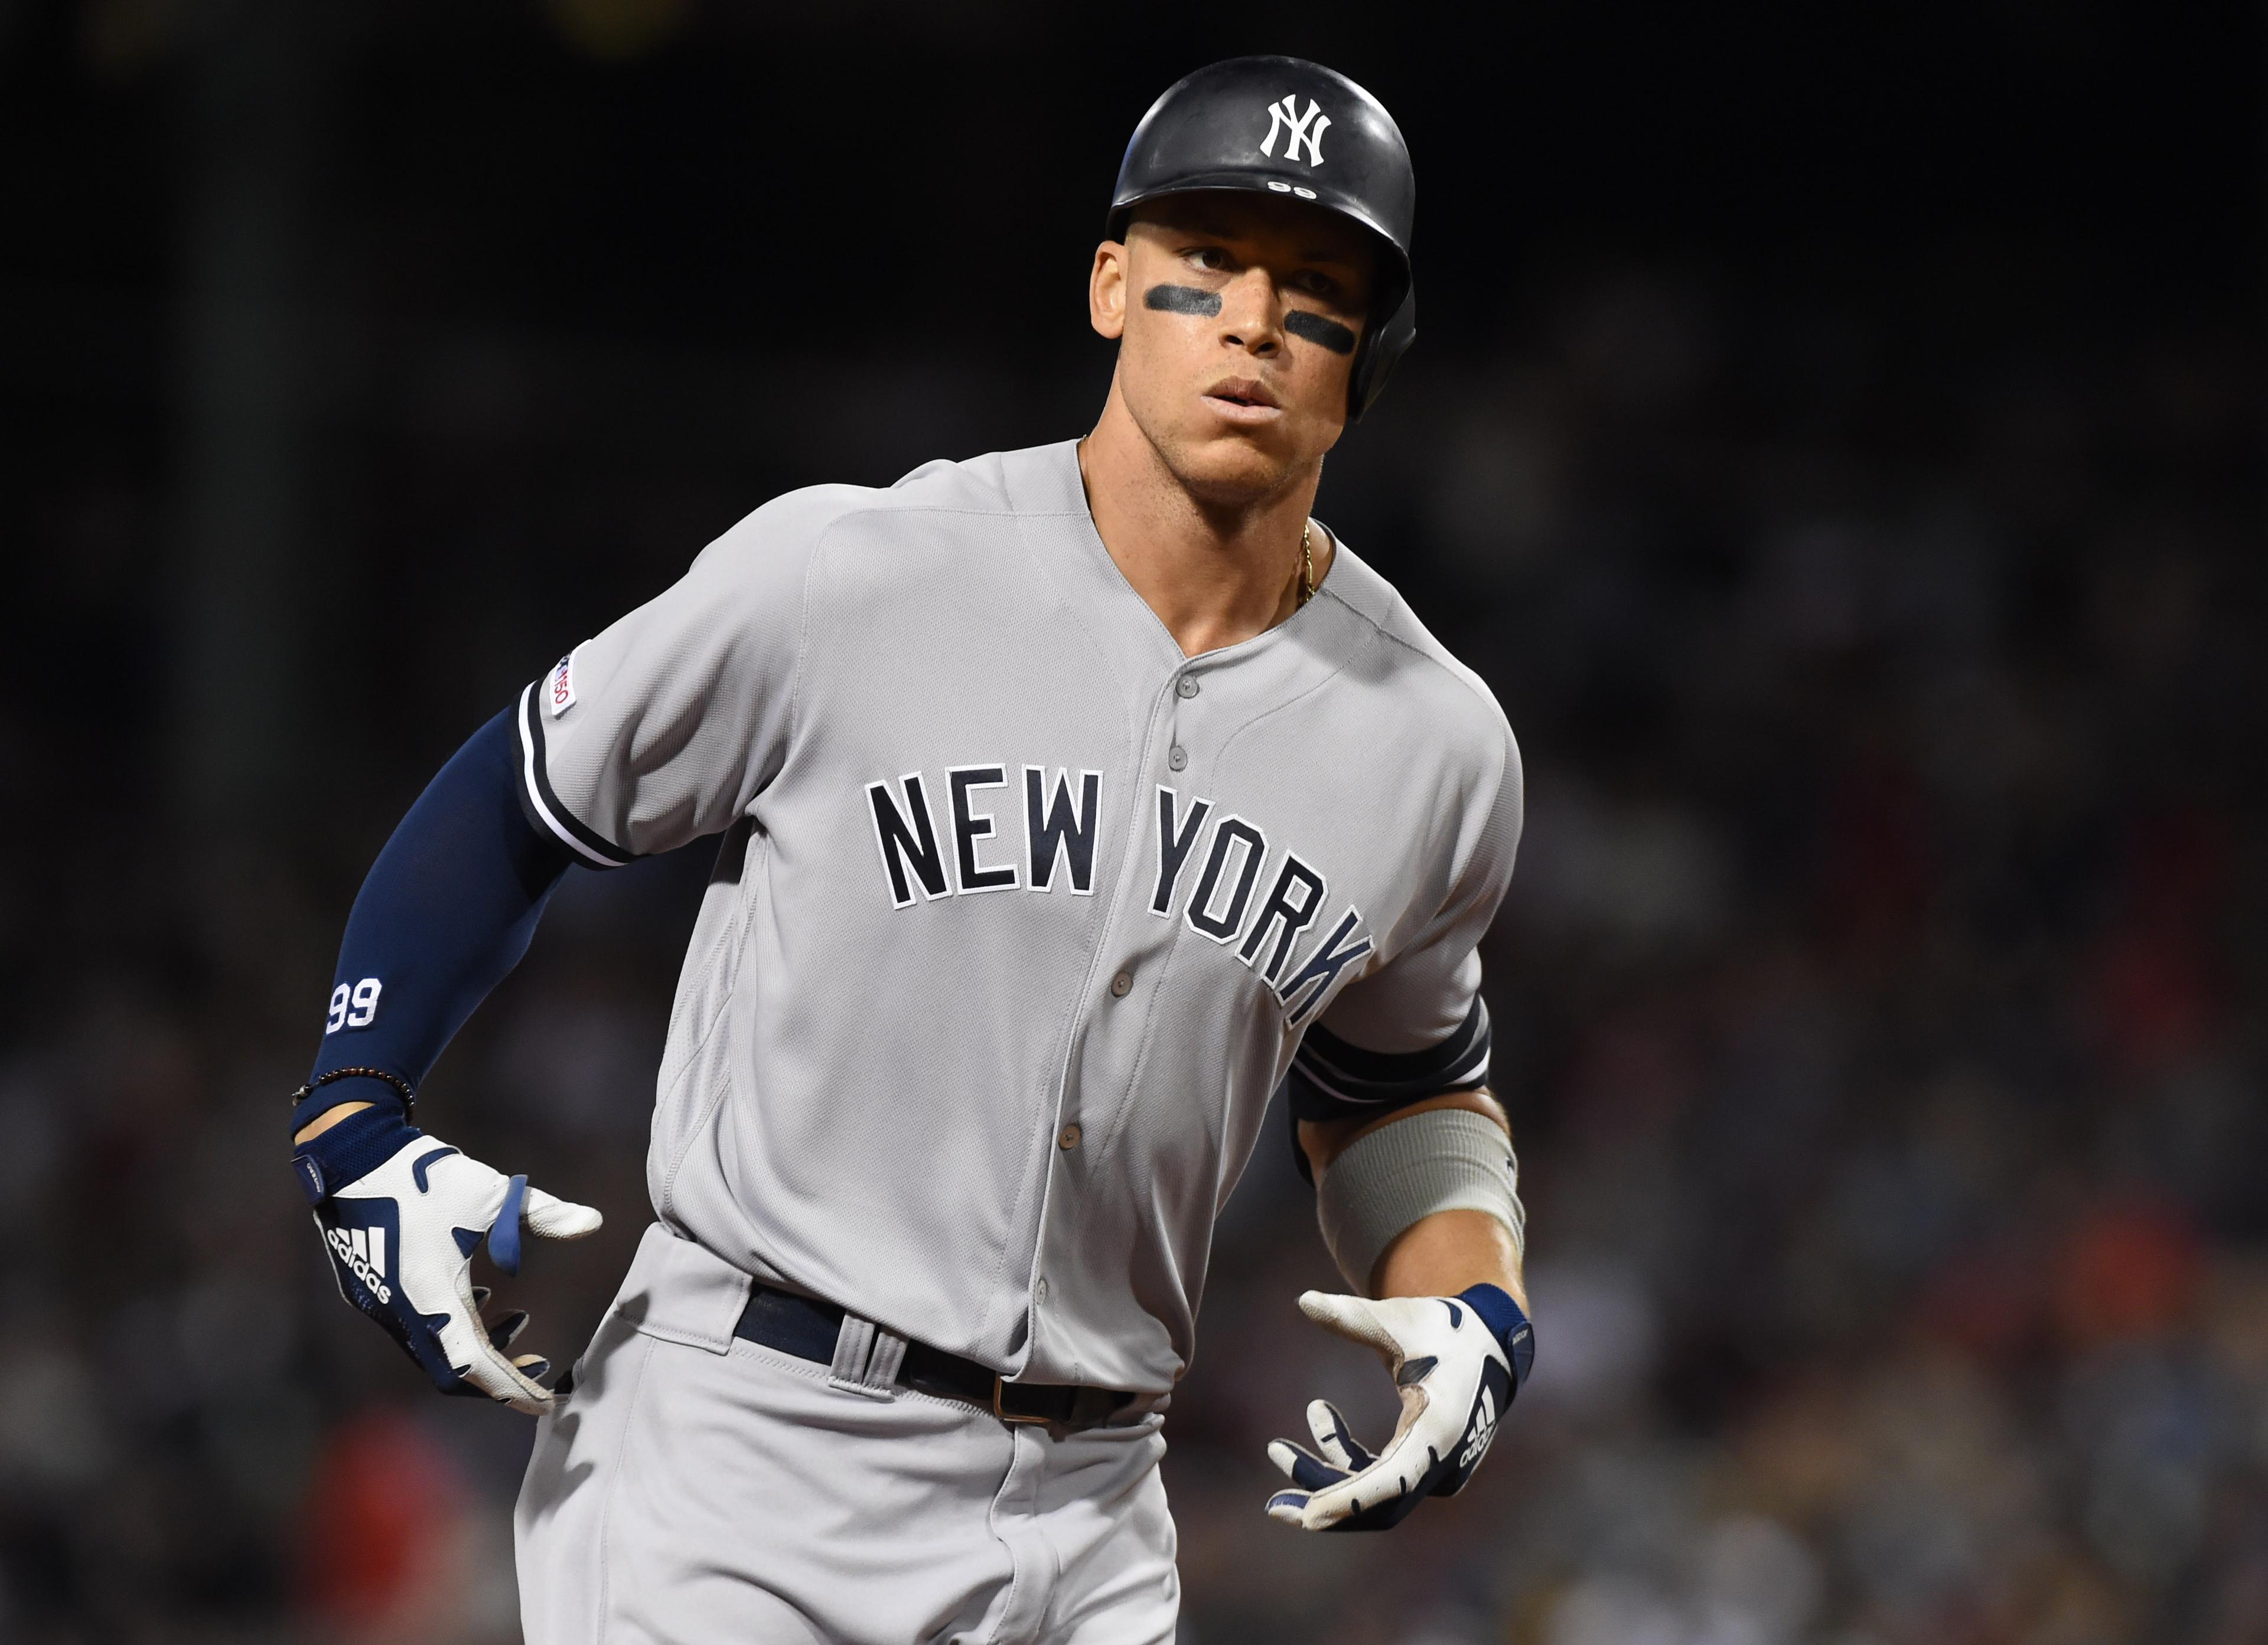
(1445, 1253)
(445, 913)
(1442, 1254)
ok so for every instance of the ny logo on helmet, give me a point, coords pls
(1307, 128)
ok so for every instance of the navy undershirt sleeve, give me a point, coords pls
(445, 913)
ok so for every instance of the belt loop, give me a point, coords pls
(866, 1358)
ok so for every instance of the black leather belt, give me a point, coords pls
(807, 1328)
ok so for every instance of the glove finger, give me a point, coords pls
(480, 1296)
(502, 1333)
(546, 1214)
(504, 1233)
(466, 1345)
(531, 1366)
(1290, 1506)
(1314, 1510)
(500, 1380)
(1388, 1479)
(555, 1218)
(1302, 1466)
(1356, 1319)
(1323, 1510)
(1339, 1446)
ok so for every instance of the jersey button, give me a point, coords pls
(1070, 1138)
(1041, 1290)
(1122, 985)
(1177, 759)
(1187, 686)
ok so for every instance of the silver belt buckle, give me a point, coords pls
(999, 1386)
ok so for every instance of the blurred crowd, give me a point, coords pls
(1877, 1003)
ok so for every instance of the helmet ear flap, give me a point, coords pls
(1381, 346)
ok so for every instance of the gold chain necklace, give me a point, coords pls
(1307, 563)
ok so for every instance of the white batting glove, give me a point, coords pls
(402, 1235)
(1457, 1362)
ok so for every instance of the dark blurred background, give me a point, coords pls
(1836, 434)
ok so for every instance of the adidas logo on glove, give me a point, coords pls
(1484, 1430)
(363, 1252)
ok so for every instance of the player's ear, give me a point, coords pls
(1105, 291)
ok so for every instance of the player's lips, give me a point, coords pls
(1243, 399)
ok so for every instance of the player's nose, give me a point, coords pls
(1251, 318)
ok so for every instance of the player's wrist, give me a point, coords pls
(349, 1090)
(351, 1148)
(325, 1121)
(1508, 1321)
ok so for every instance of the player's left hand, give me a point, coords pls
(1457, 1362)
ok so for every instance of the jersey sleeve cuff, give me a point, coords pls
(1331, 1079)
(543, 806)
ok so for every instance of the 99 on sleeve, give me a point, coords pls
(353, 1006)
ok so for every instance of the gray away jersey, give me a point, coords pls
(1021, 916)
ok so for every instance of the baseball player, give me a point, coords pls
(1071, 801)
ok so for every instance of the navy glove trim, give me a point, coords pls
(351, 1149)
(1508, 1324)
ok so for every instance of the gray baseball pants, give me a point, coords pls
(695, 1489)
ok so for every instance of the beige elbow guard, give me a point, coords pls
(1444, 1159)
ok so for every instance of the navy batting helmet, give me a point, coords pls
(1285, 126)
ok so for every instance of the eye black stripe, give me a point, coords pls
(1317, 329)
(1182, 299)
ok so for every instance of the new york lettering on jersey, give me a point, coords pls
(1210, 865)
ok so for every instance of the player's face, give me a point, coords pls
(1237, 317)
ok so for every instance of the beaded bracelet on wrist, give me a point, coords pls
(403, 1086)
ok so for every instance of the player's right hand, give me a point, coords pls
(1456, 1362)
(400, 1237)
